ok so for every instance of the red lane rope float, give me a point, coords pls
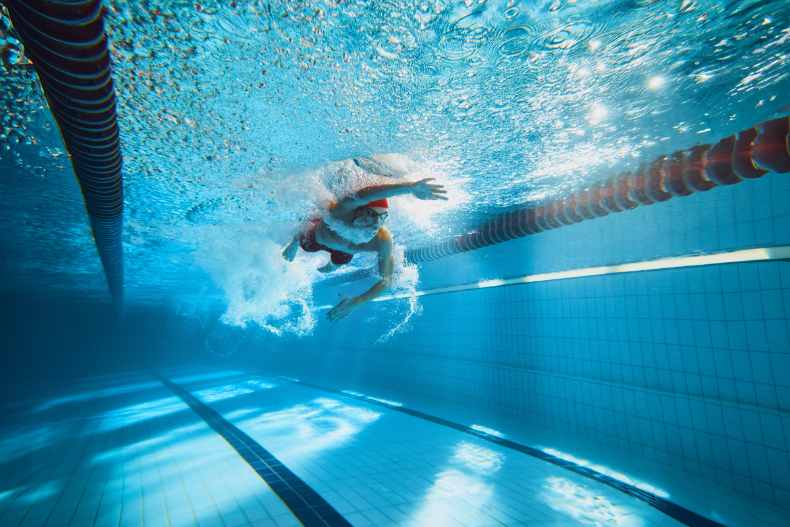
(749, 154)
(66, 42)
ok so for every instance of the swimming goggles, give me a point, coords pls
(370, 213)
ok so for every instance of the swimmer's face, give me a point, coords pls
(370, 216)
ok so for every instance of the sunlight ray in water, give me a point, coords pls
(585, 505)
(463, 485)
(42, 491)
(318, 425)
(136, 413)
(376, 399)
(205, 376)
(23, 441)
(86, 396)
(230, 391)
(489, 431)
(608, 472)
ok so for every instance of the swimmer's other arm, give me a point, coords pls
(421, 189)
(386, 271)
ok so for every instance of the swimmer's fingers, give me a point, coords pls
(337, 315)
(334, 314)
(424, 182)
(342, 310)
(424, 190)
(438, 192)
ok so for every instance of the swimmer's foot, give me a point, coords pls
(328, 268)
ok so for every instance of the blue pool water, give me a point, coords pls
(629, 370)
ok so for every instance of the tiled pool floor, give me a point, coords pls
(127, 450)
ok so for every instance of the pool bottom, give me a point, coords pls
(125, 451)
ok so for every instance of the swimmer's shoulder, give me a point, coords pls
(384, 239)
(384, 234)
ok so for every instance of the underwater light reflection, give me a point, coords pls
(20, 443)
(132, 449)
(462, 485)
(27, 495)
(582, 504)
(232, 390)
(317, 425)
(38, 492)
(86, 396)
(607, 472)
(140, 412)
(489, 431)
(238, 413)
(4, 495)
(205, 376)
(169, 458)
(385, 401)
(478, 458)
(376, 399)
(455, 484)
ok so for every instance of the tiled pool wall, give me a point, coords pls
(689, 367)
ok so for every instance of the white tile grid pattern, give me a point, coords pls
(686, 367)
(666, 409)
(120, 464)
(385, 468)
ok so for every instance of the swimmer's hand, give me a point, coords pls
(343, 309)
(423, 190)
(289, 253)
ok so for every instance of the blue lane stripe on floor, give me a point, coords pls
(306, 505)
(675, 511)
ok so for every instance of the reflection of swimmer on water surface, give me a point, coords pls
(355, 224)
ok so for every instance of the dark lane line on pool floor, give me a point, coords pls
(675, 511)
(306, 504)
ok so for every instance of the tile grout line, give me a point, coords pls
(705, 399)
(675, 511)
(304, 503)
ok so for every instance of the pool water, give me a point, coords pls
(631, 369)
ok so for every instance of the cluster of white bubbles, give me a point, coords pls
(407, 279)
(260, 286)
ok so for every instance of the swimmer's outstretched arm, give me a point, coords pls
(387, 272)
(421, 189)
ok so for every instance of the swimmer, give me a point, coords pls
(356, 225)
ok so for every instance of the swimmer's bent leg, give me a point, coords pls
(328, 268)
(337, 258)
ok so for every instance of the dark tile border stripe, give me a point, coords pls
(681, 514)
(305, 503)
